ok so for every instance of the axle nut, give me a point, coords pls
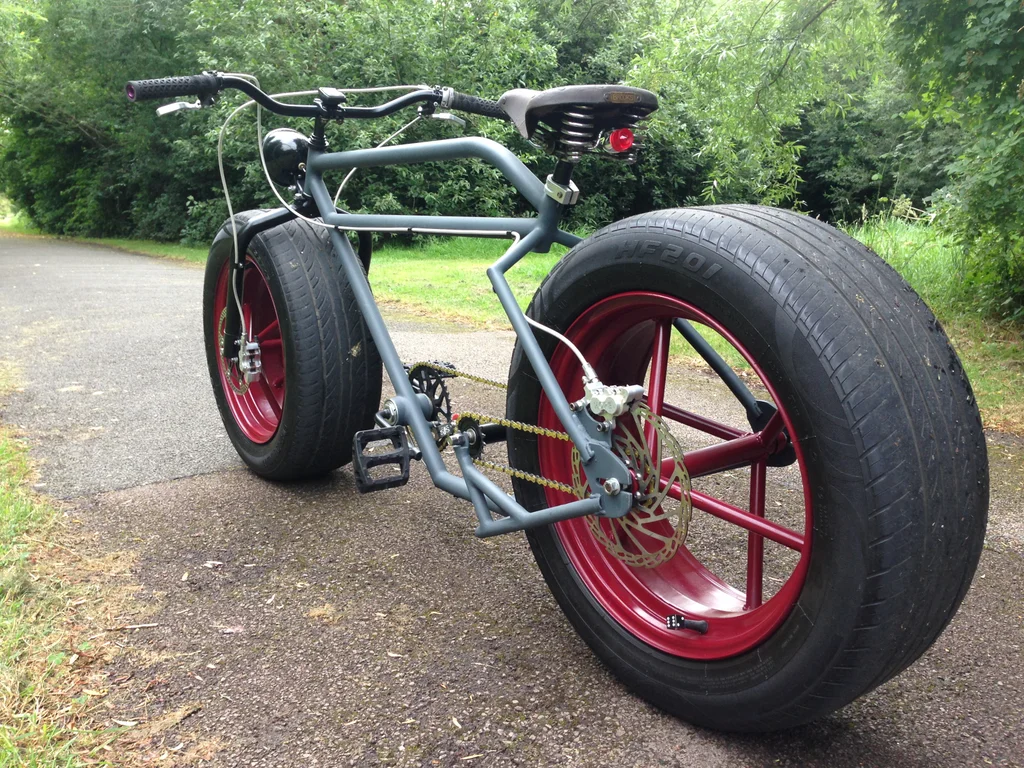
(612, 486)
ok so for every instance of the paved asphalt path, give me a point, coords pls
(376, 630)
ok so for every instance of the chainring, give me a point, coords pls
(656, 527)
(429, 380)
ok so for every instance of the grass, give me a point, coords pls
(445, 279)
(44, 669)
(13, 223)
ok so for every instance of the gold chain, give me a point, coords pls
(460, 374)
(522, 427)
(531, 428)
(528, 476)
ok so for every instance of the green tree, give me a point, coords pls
(740, 72)
(861, 159)
(967, 59)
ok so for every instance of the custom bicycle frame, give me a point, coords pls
(529, 235)
(592, 438)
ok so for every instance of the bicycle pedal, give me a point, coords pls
(368, 454)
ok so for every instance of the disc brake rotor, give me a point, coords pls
(241, 386)
(657, 524)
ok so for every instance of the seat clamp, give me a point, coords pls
(564, 195)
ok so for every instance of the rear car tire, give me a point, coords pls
(889, 446)
(322, 372)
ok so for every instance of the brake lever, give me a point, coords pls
(177, 106)
(449, 117)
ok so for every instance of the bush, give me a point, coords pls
(859, 159)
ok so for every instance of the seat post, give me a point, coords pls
(563, 172)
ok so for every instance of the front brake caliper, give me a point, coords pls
(250, 363)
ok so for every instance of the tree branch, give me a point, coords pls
(789, 55)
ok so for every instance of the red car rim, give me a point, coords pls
(627, 337)
(257, 406)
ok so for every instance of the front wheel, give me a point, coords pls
(833, 538)
(321, 372)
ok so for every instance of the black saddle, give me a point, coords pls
(612, 106)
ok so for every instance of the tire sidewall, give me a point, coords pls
(780, 670)
(263, 457)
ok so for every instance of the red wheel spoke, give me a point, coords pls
(271, 398)
(721, 457)
(270, 342)
(724, 511)
(656, 381)
(272, 328)
(724, 431)
(755, 542)
(772, 430)
(731, 454)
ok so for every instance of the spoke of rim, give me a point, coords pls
(718, 365)
(274, 326)
(721, 457)
(271, 398)
(724, 511)
(724, 431)
(738, 452)
(772, 429)
(755, 542)
(270, 342)
(656, 382)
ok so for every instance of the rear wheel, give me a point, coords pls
(833, 538)
(321, 374)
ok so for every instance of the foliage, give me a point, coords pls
(858, 160)
(80, 160)
(741, 72)
(967, 59)
(774, 101)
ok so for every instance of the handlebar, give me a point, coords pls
(209, 84)
(476, 105)
(169, 87)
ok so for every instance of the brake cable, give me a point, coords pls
(263, 162)
(589, 373)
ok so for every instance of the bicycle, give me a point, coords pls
(864, 404)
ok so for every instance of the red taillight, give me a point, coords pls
(620, 140)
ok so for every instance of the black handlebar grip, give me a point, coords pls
(475, 105)
(169, 87)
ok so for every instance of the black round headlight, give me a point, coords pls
(284, 150)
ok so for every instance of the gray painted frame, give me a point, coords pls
(529, 235)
